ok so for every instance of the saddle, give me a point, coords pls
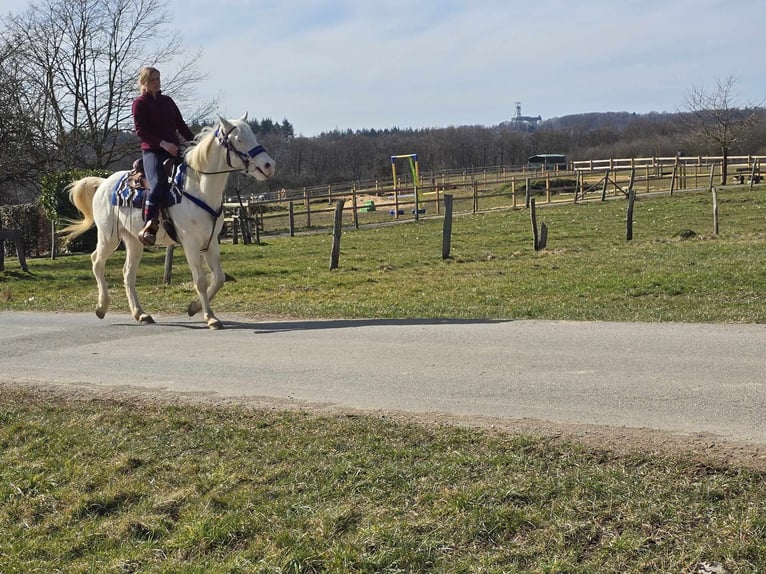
(136, 180)
(137, 176)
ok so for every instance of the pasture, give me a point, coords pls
(674, 269)
(117, 483)
(128, 484)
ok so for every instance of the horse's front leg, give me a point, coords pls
(217, 277)
(134, 251)
(201, 287)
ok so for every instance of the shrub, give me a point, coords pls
(55, 201)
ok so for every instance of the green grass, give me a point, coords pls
(94, 485)
(104, 486)
(588, 271)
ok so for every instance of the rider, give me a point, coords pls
(158, 122)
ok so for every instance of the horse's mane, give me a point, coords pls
(196, 155)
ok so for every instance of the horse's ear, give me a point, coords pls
(227, 127)
(244, 118)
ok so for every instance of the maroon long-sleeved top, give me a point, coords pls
(157, 118)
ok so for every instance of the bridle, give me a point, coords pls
(223, 139)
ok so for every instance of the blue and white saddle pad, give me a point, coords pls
(124, 195)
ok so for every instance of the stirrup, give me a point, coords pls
(148, 235)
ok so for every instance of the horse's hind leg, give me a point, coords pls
(104, 248)
(134, 251)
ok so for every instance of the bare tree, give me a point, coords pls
(714, 117)
(75, 64)
(20, 152)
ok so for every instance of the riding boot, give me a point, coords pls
(148, 235)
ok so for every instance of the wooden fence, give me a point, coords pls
(288, 211)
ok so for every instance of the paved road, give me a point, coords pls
(684, 378)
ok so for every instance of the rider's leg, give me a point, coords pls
(158, 182)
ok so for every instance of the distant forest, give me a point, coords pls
(365, 154)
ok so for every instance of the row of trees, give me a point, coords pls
(710, 125)
(68, 76)
(68, 71)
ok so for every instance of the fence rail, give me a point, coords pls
(638, 162)
(494, 187)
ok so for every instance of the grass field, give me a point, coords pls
(112, 486)
(118, 484)
(675, 269)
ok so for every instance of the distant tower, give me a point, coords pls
(525, 123)
(517, 117)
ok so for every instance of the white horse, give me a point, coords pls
(229, 147)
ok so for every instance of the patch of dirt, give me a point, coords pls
(706, 449)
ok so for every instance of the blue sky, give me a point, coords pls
(354, 64)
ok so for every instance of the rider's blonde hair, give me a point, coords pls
(143, 78)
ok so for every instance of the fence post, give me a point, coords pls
(631, 201)
(548, 187)
(335, 254)
(756, 168)
(291, 219)
(715, 211)
(259, 223)
(528, 194)
(646, 178)
(354, 211)
(168, 265)
(513, 189)
(447, 228)
(244, 225)
(673, 179)
(578, 185)
(416, 194)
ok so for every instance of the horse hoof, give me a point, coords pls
(146, 319)
(193, 308)
(214, 324)
(100, 314)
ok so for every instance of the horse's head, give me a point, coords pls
(238, 139)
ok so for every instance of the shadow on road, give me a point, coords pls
(262, 328)
(266, 327)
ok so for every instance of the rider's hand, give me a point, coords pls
(169, 147)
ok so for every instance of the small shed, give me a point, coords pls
(548, 161)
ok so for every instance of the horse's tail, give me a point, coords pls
(81, 194)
